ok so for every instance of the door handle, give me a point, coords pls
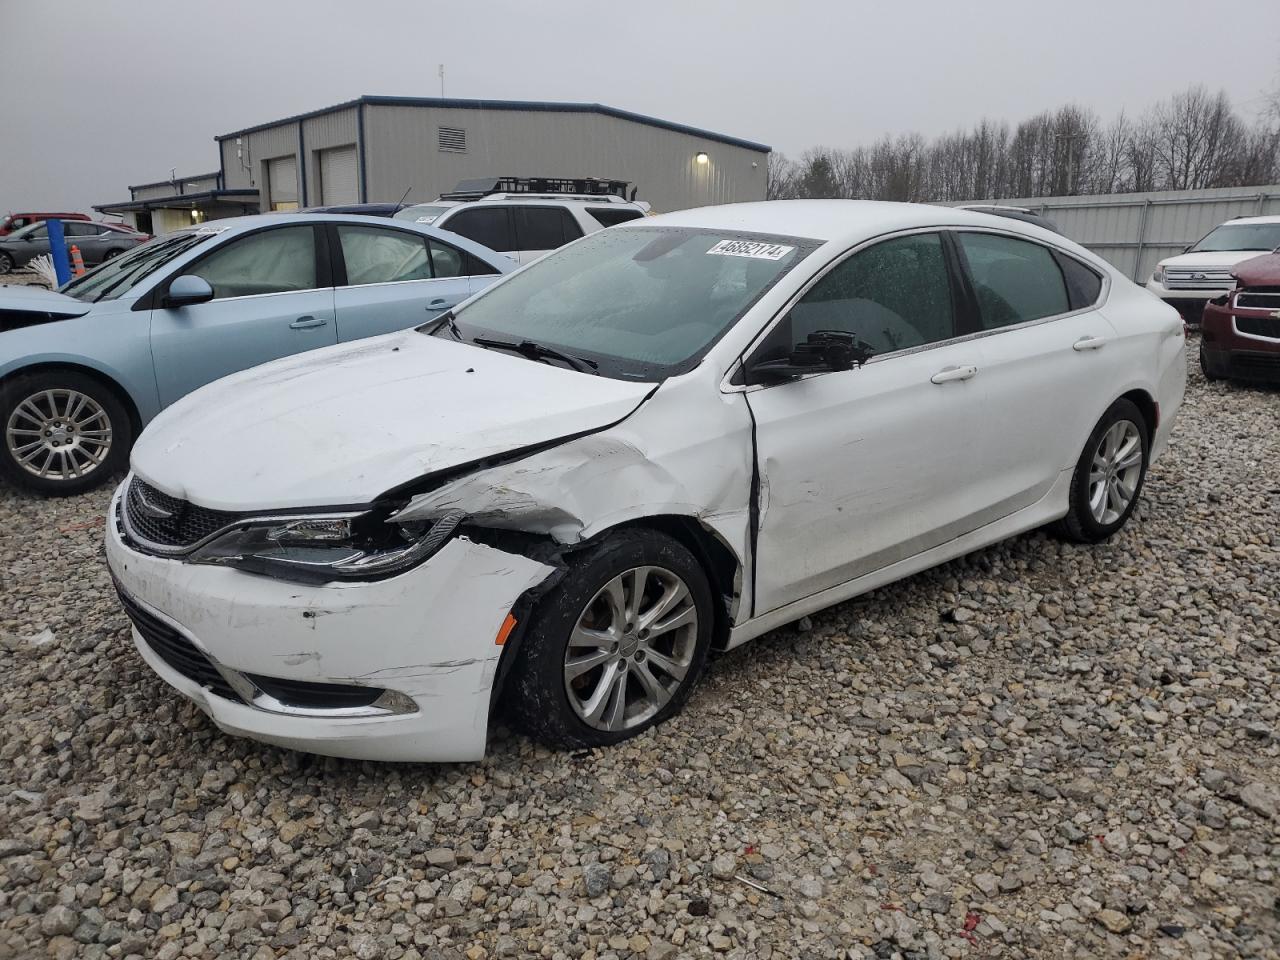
(440, 303)
(947, 374)
(305, 323)
(1089, 343)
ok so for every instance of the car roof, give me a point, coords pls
(837, 221)
(1238, 220)
(256, 220)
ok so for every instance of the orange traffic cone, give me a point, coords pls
(77, 261)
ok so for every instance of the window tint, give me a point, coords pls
(273, 261)
(1083, 285)
(486, 225)
(374, 255)
(81, 229)
(544, 228)
(894, 295)
(608, 216)
(1015, 280)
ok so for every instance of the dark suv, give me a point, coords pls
(1240, 331)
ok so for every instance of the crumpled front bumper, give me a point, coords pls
(428, 635)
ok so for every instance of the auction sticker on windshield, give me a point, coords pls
(750, 248)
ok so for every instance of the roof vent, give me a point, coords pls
(452, 139)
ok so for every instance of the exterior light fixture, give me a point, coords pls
(702, 159)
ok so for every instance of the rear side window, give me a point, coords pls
(1083, 284)
(544, 228)
(610, 216)
(373, 255)
(1015, 281)
(489, 226)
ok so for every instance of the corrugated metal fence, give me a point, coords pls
(1134, 231)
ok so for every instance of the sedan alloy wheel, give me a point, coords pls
(59, 434)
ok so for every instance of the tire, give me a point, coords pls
(6, 264)
(541, 698)
(1085, 522)
(90, 439)
(110, 255)
(1204, 368)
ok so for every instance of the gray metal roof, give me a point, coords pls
(524, 105)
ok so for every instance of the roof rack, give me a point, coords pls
(585, 186)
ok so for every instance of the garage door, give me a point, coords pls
(282, 183)
(338, 176)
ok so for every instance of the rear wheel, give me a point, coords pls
(6, 263)
(63, 432)
(1108, 476)
(111, 254)
(616, 646)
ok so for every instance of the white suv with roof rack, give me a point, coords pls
(527, 217)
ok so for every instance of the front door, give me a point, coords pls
(865, 467)
(395, 279)
(268, 303)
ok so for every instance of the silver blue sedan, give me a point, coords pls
(82, 370)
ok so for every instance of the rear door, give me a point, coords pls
(390, 279)
(88, 237)
(272, 298)
(1048, 360)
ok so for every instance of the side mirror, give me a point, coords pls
(187, 290)
(822, 351)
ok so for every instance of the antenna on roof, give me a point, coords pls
(400, 202)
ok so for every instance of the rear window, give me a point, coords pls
(1083, 284)
(611, 216)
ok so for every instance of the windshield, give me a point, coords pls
(641, 303)
(119, 275)
(1240, 236)
(421, 212)
(32, 231)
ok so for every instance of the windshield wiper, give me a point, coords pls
(536, 351)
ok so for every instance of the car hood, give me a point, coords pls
(1263, 271)
(23, 305)
(1215, 260)
(342, 425)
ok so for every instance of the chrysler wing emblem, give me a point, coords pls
(149, 508)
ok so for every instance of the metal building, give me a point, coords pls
(379, 149)
(167, 205)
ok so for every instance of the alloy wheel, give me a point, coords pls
(631, 648)
(1115, 471)
(59, 434)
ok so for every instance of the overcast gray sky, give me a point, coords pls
(99, 95)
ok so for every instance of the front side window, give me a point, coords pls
(374, 255)
(488, 226)
(1014, 280)
(892, 296)
(282, 260)
(641, 302)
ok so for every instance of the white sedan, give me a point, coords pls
(664, 439)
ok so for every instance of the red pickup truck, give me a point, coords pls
(16, 221)
(1240, 331)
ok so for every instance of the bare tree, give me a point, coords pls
(780, 177)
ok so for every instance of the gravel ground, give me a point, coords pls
(1039, 750)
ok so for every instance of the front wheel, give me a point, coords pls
(111, 255)
(616, 646)
(1108, 476)
(63, 432)
(1205, 367)
(6, 264)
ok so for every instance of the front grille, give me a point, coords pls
(315, 696)
(1255, 300)
(1259, 326)
(169, 522)
(175, 649)
(1199, 280)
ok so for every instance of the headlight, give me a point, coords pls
(320, 549)
(1158, 275)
